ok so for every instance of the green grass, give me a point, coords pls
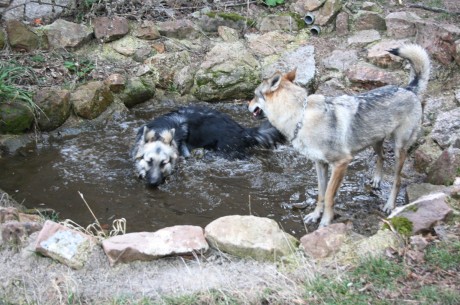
(358, 286)
(379, 271)
(445, 255)
(10, 91)
(81, 67)
(437, 295)
(377, 281)
(273, 2)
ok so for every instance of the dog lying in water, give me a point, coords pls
(160, 142)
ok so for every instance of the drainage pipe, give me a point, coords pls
(315, 30)
(309, 18)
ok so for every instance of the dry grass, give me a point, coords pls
(210, 279)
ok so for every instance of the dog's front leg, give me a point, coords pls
(338, 172)
(321, 173)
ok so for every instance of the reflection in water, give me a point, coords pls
(96, 162)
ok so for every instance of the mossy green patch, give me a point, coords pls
(297, 19)
(401, 224)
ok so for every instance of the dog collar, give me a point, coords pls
(300, 123)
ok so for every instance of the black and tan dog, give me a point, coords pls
(331, 130)
(160, 142)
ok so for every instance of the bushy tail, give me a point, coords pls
(266, 135)
(420, 66)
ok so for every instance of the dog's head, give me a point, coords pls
(265, 91)
(155, 155)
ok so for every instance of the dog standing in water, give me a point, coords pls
(160, 142)
(331, 130)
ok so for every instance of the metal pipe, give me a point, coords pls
(309, 18)
(315, 30)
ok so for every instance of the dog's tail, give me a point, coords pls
(266, 135)
(420, 66)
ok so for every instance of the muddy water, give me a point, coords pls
(96, 163)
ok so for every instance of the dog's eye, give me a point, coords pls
(164, 162)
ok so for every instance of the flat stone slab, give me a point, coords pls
(145, 246)
(69, 247)
(364, 37)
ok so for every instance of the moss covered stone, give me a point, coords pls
(15, 117)
(137, 90)
(229, 71)
(401, 224)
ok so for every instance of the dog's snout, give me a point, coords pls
(154, 181)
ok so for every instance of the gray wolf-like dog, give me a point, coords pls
(161, 141)
(331, 130)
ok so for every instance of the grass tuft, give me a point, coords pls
(10, 91)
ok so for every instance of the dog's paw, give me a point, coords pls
(388, 207)
(312, 217)
(375, 183)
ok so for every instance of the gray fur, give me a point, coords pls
(331, 130)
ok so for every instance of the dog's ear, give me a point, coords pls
(274, 82)
(138, 151)
(290, 76)
(168, 135)
(149, 135)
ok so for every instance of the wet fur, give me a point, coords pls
(331, 130)
(160, 142)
